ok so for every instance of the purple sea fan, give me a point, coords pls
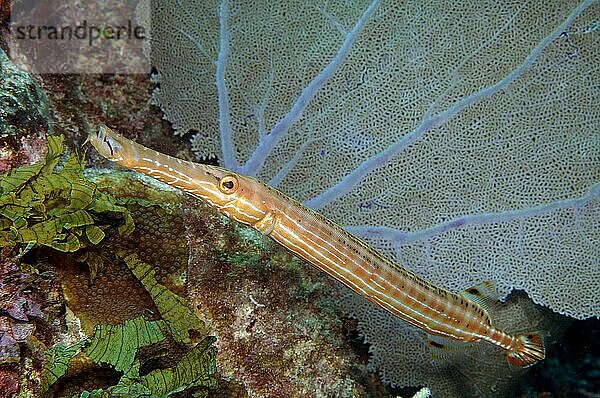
(460, 138)
(469, 130)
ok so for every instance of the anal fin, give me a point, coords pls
(442, 348)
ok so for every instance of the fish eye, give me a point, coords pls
(228, 184)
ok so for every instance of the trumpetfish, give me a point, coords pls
(460, 317)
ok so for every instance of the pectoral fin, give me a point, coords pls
(266, 224)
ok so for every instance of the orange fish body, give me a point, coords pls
(310, 236)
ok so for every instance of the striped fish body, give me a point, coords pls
(325, 245)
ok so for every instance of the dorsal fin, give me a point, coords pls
(483, 294)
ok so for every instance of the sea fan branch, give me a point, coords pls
(349, 182)
(398, 237)
(257, 160)
(227, 147)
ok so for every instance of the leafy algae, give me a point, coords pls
(52, 204)
(118, 346)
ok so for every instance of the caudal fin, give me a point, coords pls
(528, 349)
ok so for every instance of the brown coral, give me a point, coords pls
(271, 340)
(115, 295)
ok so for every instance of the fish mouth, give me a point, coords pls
(106, 143)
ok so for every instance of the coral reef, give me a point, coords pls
(51, 204)
(484, 183)
(90, 293)
(117, 345)
(274, 349)
(114, 295)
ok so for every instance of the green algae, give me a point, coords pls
(118, 346)
(174, 309)
(52, 204)
(57, 358)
